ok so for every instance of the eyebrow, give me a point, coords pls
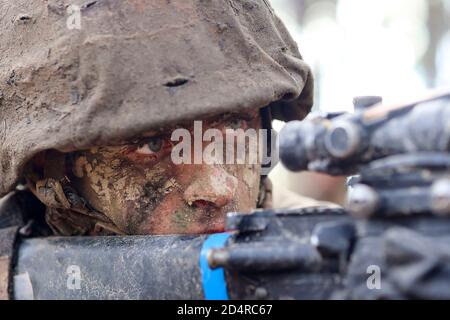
(245, 115)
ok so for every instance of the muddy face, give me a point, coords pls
(140, 188)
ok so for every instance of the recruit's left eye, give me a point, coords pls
(151, 146)
(236, 124)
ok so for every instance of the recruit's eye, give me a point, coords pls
(151, 146)
(236, 124)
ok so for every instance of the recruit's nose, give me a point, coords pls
(212, 186)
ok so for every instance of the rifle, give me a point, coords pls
(399, 202)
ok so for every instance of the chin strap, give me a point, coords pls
(67, 213)
(7, 245)
(265, 194)
(265, 188)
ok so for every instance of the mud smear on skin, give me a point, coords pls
(209, 218)
(153, 192)
(181, 219)
(142, 192)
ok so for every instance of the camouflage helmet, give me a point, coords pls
(131, 66)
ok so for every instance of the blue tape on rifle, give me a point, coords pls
(214, 285)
